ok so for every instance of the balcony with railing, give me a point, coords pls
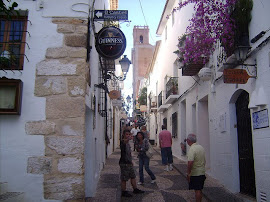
(161, 106)
(172, 93)
(160, 99)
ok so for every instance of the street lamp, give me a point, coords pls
(128, 99)
(125, 63)
(241, 53)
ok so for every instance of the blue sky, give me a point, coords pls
(152, 10)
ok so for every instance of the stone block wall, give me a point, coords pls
(62, 78)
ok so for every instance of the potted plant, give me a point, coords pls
(174, 87)
(7, 60)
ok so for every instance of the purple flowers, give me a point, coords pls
(211, 22)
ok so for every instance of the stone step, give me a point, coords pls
(12, 197)
(3, 187)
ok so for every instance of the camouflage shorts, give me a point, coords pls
(127, 172)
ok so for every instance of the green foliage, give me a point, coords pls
(242, 14)
(143, 96)
(242, 17)
(8, 10)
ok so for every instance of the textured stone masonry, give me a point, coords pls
(64, 145)
(39, 165)
(55, 68)
(62, 78)
(75, 40)
(63, 188)
(70, 126)
(45, 86)
(76, 86)
(65, 28)
(64, 107)
(56, 53)
(82, 30)
(77, 52)
(39, 127)
(69, 21)
(70, 165)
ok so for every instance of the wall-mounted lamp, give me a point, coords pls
(125, 63)
(261, 99)
(239, 57)
(241, 53)
(257, 98)
(205, 74)
(252, 100)
(128, 99)
(213, 88)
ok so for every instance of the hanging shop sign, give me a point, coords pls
(238, 76)
(114, 94)
(110, 42)
(112, 15)
(143, 108)
(117, 103)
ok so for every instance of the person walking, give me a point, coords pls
(126, 166)
(134, 132)
(196, 166)
(165, 143)
(142, 147)
(146, 133)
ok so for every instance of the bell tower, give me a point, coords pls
(140, 35)
(142, 54)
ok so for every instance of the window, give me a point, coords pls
(12, 42)
(165, 33)
(165, 122)
(10, 96)
(141, 39)
(174, 125)
(173, 17)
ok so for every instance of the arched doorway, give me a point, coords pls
(245, 145)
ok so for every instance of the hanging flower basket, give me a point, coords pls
(192, 68)
(212, 21)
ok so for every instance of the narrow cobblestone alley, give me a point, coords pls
(169, 186)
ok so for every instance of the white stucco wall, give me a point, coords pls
(219, 138)
(15, 145)
(96, 150)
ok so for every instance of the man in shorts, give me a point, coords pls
(126, 166)
(196, 166)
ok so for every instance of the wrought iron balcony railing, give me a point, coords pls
(160, 99)
(172, 87)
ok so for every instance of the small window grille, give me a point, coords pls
(263, 197)
(174, 125)
(110, 123)
(13, 32)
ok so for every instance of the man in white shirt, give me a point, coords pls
(134, 132)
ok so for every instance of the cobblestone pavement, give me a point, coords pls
(169, 186)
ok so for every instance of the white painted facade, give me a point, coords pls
(207, 108)
(15, 145)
